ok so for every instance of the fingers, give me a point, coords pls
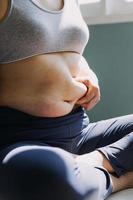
(90, 104)
(87, 98)
(92, 96)
(93, 93)
(90, 99)
(83, 80)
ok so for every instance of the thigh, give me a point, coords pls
(104, 132)
(33, 171)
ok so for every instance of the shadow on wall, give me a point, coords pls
(110, 54)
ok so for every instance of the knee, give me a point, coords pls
(37, 160)
(35, 174)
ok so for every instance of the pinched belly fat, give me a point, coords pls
(42, 85)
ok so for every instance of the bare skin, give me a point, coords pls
(32, 84)
(36, 89)
(3, 9)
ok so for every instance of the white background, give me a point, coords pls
(106, 11)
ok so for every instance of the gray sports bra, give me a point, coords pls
(30, 30)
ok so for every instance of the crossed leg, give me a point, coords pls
(113, 141)
(79, 173)
(35, 172)
(117, 159)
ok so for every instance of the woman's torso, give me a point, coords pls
(25, 81)
(28, 80)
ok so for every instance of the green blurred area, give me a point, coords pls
(109, 53)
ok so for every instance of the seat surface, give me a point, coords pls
(123, 195)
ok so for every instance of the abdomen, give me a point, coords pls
(30, 84)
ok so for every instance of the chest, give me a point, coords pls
(65, 25)
(38, 30)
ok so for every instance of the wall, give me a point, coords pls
(110, 54)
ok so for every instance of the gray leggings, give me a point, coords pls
(44, 165)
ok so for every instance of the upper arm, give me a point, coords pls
(3, 8)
